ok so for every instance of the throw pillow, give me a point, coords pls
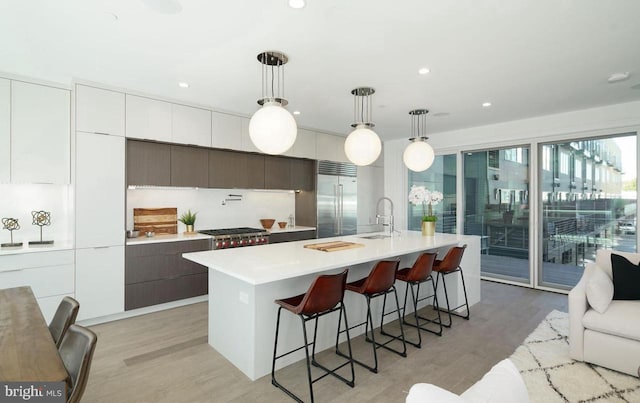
(599, 290)
(626, 278)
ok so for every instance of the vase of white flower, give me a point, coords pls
(428, 199)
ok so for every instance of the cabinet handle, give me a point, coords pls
(102, 133)
(7, 271)
(100, 247)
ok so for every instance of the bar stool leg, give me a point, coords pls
(306, 352)
(400, 322)
(450, 311)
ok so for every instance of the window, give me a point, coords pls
(589, 170)
(514, 155)
(441, 176)
(546, 158)
(578, 168)
(493, 158)
(564, 163)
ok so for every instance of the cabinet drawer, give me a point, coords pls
(44, 281)
(33, 260)
(157, 292)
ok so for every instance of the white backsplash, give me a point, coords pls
(18, 201)
(208, 203)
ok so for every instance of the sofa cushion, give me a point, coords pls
(603, 259)
(599, 290)
(426, 392)
(626, 278)
(620, 319)
(502, 384)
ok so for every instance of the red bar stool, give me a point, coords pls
(324, 296)
(415, 275)
(378, 283)
(451, 265)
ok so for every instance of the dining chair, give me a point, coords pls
(76, 351)
(64, 317)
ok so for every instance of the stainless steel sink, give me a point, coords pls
(376, 236)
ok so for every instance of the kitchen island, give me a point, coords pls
(244, 282)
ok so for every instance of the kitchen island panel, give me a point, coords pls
(242, 313)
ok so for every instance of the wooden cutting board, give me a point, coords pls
(159, 220)
(333, 246)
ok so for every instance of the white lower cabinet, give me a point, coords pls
(49, 274)
(100, 281)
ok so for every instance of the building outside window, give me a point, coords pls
(440, 176)
(564, 163)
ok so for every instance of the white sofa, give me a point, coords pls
(612, 338)
(502, 384)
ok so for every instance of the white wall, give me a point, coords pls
(17, 201)
(207, 203)
(606, 120)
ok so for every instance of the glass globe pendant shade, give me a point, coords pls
(273, 129)
(418, 156)
(363, 146)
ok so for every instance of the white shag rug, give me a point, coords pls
(551, 376)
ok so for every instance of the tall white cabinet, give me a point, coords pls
(40, 127)
(100, 201)
(5, 130)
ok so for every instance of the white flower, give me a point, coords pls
(435, 197)
(417, 195)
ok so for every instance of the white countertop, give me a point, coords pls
(26, 248)
(268, 263)
(142, 240)
(277, 230)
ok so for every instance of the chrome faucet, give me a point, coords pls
(389, 217)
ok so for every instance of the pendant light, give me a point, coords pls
(272, 128)
(419, 155)
(363, 145)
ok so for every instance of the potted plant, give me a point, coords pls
(428, 199)
(188, 219)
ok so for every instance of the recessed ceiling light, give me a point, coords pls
(486, 104)
(296, 112)
(424, 71)
(182, 84)
(615, 77)
(297, 3)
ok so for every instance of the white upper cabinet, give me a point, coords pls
(148, 119)
(226, 131)
(5, 131)
(99, 111)
(305, 145)
(330, 148)
(247, 144)
(191, 126)
(40, 134)
(100, 190)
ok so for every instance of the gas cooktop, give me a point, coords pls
(232, 231)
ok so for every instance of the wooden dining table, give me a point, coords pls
(27, 350)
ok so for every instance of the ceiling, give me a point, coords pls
(528, 58)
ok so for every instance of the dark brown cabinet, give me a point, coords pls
(148, 163)
(189, 166)
(231, 169)
(303, 174)
(292, 236)
(157, 273)
(277, 172)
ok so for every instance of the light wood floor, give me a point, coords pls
(164, 356)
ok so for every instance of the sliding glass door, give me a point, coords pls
(496, 196)
(588, 201)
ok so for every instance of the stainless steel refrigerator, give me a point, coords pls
(337, 199)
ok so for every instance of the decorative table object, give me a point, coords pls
(421, 195)
(41, 218)
(10, 224)
(188, 219)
